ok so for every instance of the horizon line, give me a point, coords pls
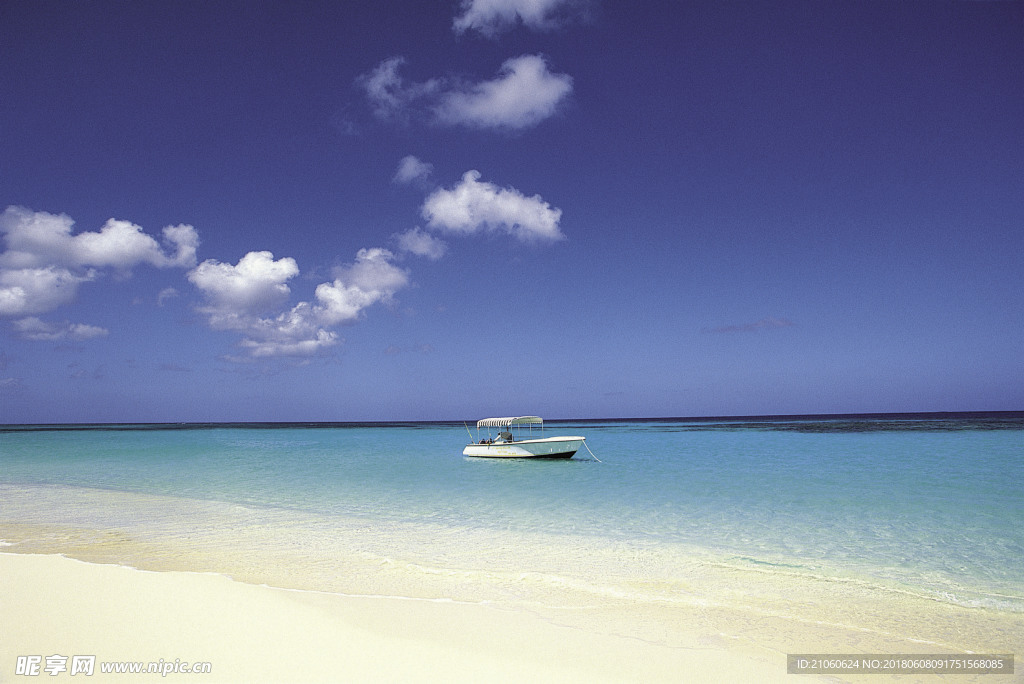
(170, 425)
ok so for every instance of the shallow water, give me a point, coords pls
(773, 516)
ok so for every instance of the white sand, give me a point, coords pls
(55, 605)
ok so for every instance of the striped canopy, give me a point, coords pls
(505, 422)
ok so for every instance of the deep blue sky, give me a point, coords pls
(679, 209)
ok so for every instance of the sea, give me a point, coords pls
(880, 530)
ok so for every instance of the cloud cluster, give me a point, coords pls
(472, 206)
(491, 17)
(41, 240)
(524, 93)
(44, 263)
(247, 297)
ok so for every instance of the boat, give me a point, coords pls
(507, 445)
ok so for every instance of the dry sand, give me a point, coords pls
(53, 605)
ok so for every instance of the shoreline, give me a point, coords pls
(57, 605)
(143, 591)
(140, 577)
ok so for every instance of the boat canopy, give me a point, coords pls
(505, 422)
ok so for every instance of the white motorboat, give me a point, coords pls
(521, 445)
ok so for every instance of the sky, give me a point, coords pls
(452, 209)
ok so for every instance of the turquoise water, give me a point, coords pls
(930, 504)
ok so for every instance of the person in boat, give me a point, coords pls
(505, 436)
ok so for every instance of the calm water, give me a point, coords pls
(933, 504)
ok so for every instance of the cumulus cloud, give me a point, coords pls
(39, 239)
(44, 263)
(523, 94)
(473, 206)
(243, 297)
(38, 290)
(255, 285)
(421, 243)
(491, 17)
(370, 279)
(411, 169)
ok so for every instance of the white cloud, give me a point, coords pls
(242, 298)
(185, 238)
(389, 94)
(373, 271)
(491, 17)
(255, 285)
(385, 88)
(261, 349)
(34, 329)
(371, 279)
(166, 294)
(37, 239)
(421, 243)
(411, 169)
(523, 94)
(26, 291)
(472, 206)
(44, 263)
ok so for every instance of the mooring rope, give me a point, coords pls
(591, 452)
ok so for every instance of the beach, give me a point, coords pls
(247, 633)
(305, 555)
(58, 606)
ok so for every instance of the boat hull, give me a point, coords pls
(549, 447)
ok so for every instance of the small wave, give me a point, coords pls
(931, 588)
(1005, 603)
(773, 564)
(390, 597)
